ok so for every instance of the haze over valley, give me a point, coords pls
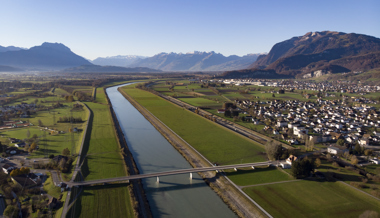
(167, 109)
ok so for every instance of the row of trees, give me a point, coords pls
(69, 119)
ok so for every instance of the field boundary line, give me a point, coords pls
(270, 183)
(359, 190)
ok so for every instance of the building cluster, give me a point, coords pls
(321, 121)
(19, 108)
(342, 87)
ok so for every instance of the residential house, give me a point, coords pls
(334, 150)
(291, 159)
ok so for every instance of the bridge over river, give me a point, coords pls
(167, 173)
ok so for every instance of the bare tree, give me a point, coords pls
(274, 150)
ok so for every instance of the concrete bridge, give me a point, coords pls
(167, 173)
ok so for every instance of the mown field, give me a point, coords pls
(103, 201)
(312, 199)
(101, 96)
(216, 143)
(103, 158)
(199, 102)
(352, 177)
(259, 175)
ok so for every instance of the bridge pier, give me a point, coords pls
(191, 175)
(158, 179)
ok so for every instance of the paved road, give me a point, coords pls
(167, 173)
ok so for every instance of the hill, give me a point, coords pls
(195, 61)
(327, 51)
(9, 69)
(48, 56)
(108, 69)
(120, 60)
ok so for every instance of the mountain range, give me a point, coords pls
(318, 53)
(310, 55)
(108, 69)
(327, 51)
(48, 56)
(120, 60)
(195, 61)
(10, 48)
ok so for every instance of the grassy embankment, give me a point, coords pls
(215, 142)
(103, 160)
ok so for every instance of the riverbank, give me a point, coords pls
(233, 198)
(139, 200)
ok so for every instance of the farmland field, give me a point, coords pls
(106, 201)
(103, 158)
(259, 175)
(199, 101)
(216, 143)
(312, 199)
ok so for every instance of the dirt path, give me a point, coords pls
(232, 196)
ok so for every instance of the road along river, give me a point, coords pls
(173, 196)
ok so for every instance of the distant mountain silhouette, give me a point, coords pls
(109, 69)
(48, 56)
(10, 48)
(195, 61)
(328, 51)
(120, 60)
(9, 69)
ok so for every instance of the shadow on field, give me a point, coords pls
(82, 159)
(246, 171)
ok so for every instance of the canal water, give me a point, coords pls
(173, 196)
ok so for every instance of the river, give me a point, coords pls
(173, 196)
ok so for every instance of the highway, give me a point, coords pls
(167, 173)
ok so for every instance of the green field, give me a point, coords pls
(215, 142)
(312, 199)
(101, 96)
(103, 201)
(349, 176)
(103, 158)
(259, 175)
(200, 102)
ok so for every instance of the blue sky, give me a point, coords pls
(107, 28)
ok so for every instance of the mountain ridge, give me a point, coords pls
(47, 56)
(195, 61)
(327, 50)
